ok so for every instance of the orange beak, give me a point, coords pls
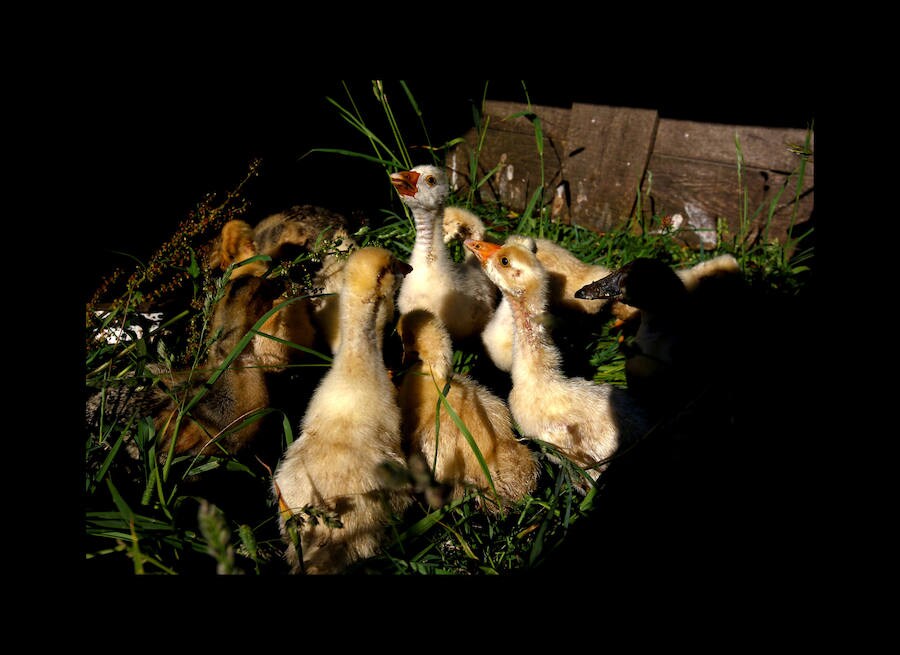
(405, 182)
(481, 249)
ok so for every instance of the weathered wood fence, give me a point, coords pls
(604, 165)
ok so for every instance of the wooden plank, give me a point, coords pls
(596, 157)
(693, 173)
(509, 155)
(702, 192)
(609, 148)
(554, 120)
(516, 170)
(762, 147)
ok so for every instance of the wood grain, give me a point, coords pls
(596, 158)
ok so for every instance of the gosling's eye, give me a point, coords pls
(504, 261)
(430, 180)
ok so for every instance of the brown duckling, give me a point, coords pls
(285, 235)
(207, 428)
(326, 234)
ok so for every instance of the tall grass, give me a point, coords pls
(786, 262)
(216, 513)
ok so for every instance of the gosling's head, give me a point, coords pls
(372, 274)
(644, 283)
(424, 187)
(513, 267)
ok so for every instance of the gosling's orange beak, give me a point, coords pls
(481, 249)
(405, 182)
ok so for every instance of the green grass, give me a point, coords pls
(215, 514)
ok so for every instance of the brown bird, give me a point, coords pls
(235, 245)
(349, 436)
(587, 422)
(209, 427)
(325, 234)
(283, 237)
(512, 465)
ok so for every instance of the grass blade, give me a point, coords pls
(352, 153)
(468, 436)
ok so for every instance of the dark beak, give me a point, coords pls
(409, 358)
(401, 268)
(405, 182)
(611, 286)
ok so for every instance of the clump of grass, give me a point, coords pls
(131, 499)
(143, 517)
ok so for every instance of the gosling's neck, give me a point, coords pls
(429, 247)
(362, 335)
(534, 352)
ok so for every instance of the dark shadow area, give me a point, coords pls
(725, 488)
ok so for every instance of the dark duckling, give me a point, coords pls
(660, 357)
